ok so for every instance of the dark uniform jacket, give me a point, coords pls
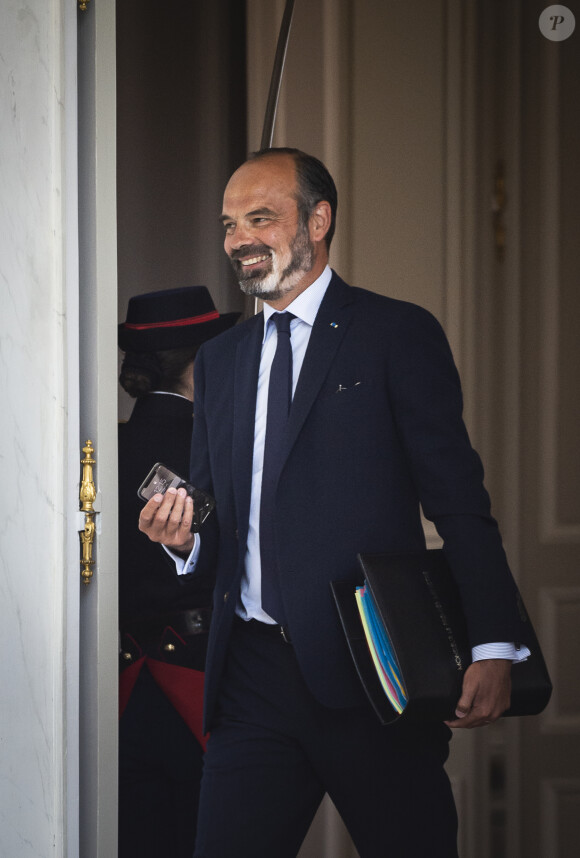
(154, 605)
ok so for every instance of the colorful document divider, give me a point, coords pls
(381, 649)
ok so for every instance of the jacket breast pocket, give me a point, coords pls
(342, 393)
(356, 402)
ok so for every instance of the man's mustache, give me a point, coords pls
(250, 250)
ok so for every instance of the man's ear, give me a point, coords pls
(320, 220)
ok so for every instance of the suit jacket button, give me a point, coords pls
(237, 533)
(226, 597)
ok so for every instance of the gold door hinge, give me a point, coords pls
(88, 495)
(83, 5)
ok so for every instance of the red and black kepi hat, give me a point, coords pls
(172, 319)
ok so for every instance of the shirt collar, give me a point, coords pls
(168, 393)
(306, 305)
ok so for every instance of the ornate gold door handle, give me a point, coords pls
(88, 494)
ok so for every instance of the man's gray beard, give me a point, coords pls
(273, 286)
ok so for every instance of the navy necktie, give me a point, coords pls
(279, 400)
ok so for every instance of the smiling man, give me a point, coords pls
(267, 233)
(321, 431)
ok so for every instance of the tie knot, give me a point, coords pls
(282, 322)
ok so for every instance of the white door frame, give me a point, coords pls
(71, 266)
(98, 675)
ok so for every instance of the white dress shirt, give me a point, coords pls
(305, 308)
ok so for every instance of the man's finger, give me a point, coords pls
(187, 515)
(176, 511)
(468, 694)
(473, 718)
(149, 512)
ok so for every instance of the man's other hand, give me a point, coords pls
(485, 694)
(167, 519)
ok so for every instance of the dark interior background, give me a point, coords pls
(181, 131)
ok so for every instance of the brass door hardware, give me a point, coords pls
(88, 495)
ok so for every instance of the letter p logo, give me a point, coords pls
(557, 23)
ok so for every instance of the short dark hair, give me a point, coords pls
(314, 184)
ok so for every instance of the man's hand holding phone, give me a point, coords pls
(174, 509)
(167, 518)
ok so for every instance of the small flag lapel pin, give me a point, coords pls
(333, 325)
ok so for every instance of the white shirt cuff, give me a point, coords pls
(185, 566)
(508, 651)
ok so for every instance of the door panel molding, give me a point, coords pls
(560, 619)
(553, 530)
(560, 805)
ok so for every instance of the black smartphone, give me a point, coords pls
(160, 478)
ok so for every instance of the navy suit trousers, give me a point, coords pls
(274, 751)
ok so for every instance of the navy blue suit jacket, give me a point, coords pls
(375, 430)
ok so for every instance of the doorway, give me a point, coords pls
(525, 308)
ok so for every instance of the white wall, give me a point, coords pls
(33, 427)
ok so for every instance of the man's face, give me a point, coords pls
(268, 245)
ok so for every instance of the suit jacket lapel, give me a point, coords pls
(248, 354)
(329, 328)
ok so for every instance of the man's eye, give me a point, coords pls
(259, 220)
(229, 227)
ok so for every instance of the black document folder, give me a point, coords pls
(417, 602)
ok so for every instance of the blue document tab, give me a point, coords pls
(380, 649)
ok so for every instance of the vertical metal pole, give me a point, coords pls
(276, 81)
